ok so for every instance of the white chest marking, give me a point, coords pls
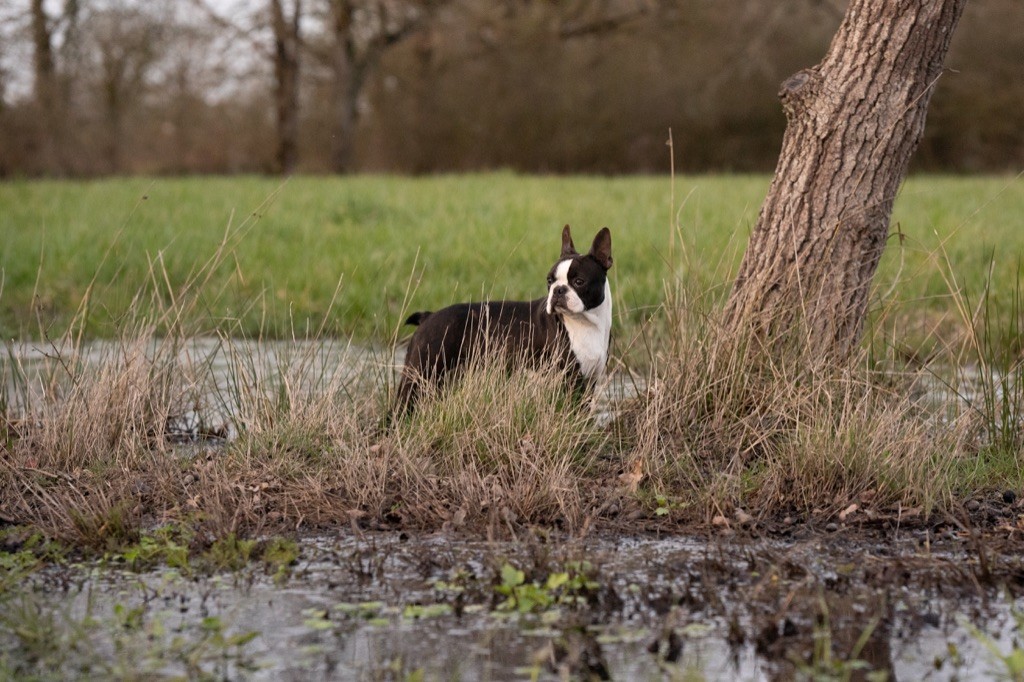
(589, 330)
(589, 333)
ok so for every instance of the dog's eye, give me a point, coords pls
(578, 282)
(551, 279)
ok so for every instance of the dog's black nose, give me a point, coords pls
(561, 290)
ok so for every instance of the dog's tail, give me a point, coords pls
(418, 318)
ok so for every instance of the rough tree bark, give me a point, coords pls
(853, 122)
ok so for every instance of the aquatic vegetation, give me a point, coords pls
(41, 641)
(671, 609)
(168, 545)
(570, 587)
(279, 555)
(230, 552)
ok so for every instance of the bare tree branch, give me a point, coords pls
(251, 34)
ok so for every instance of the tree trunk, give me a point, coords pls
(42, 56)
(286, 79)
(45, 85)
(854, 121)
(345, 88)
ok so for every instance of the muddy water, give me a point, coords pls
(33, 368)
(388, 606)
(215, 375)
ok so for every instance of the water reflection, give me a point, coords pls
(377, 607)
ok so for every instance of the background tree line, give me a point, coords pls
(91, 87)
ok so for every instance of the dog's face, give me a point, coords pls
(576, 282)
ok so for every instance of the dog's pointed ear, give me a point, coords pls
(601, 250)
(568, 249)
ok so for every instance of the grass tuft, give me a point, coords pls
(498, 445)
(739, 430)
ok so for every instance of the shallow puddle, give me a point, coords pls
(388, 606)
(214, 377)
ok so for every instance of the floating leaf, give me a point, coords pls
(556, 580)
(512, 576)
(426, 610)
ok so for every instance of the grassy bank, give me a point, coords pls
(113, 441)
(285, 437)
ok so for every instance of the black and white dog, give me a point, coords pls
(570, 325)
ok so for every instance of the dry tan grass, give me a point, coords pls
(516, 445)
(92, 461)
(90, 439)
(725, 427)
(88, 455)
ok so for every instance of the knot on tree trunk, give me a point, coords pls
(797, 91)
(803, 285)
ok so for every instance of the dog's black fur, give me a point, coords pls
(521, 330)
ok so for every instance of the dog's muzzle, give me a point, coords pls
(558, 300)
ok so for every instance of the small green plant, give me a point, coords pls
(279, 555)
(425, 611)
(371, 612)
(129, 618)
(663, 507)
(14, 567)
(230, 553)
(398, 669)
(562, 588)
(166, 545)
(457, 582)
(317, 619)
(215, 652)
(26, 539)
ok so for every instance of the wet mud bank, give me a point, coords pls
(909, 604)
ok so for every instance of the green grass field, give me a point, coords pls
(295, 246)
